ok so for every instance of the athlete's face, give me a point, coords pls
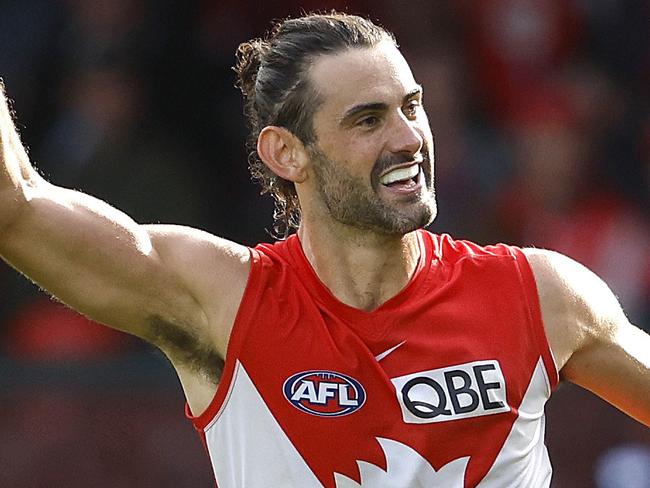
(373, 157)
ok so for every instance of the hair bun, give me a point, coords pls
(248, 60)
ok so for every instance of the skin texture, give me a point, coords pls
(593, 343)
(180, 288)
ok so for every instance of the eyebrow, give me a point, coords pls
(376, 106)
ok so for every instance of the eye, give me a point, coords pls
(411, 108)
(369, 121)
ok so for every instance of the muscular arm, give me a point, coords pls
(592, 340)
(169, 285)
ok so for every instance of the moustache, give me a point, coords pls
(390, 160)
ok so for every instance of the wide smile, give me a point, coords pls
(405, 180)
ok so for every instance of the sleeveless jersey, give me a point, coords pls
(444, 385)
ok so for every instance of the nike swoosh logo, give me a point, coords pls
(381, 356)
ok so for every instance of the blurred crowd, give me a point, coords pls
(540, 111)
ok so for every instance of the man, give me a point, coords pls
(361, 351)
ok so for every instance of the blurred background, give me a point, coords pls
(540, 110)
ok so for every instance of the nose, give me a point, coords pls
(405, 136)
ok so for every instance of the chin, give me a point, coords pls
(423, 213)
(403, 223)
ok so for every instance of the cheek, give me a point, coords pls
(425, 128)
(356, 154)
(367, 148)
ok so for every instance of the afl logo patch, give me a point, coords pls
(324, 393)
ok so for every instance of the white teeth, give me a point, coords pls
(400, 174)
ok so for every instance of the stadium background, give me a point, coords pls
(540, 111)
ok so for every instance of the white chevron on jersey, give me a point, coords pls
(405, 467)
(248, 447)
(523, 460)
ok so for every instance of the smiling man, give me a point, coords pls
(361, 350)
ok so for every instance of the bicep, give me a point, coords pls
(95, 259)
(616, 366)
(214, 270)
(612, 356)
(594, 344)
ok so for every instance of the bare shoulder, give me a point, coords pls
(191, 245)
(213, 269)
(594, 344)
(577, 306)
(214, 272)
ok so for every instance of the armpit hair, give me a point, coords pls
(184, 346)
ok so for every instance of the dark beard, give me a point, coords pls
(351, 202)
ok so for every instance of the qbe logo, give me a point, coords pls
(456, 392)
(324, 393)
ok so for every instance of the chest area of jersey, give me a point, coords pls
(439, 388)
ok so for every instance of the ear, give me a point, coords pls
(283, 153)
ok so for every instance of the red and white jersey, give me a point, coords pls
(443, 385)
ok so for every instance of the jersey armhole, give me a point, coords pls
(237, 335)
(531, 296)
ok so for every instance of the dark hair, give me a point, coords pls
(273, 77)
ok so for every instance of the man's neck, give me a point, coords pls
(361, 268)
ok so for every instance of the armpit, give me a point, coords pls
(184, 347)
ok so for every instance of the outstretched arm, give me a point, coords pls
(592, 340)
(164, 284)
